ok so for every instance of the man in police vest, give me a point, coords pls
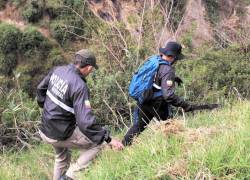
(159, 107)
(67, 118)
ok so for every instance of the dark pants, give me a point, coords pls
(143, 114)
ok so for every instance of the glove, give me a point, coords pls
(201, 107)
(189, 108)
(207, 106)
(178, 80)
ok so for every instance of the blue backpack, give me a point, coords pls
(143, 80)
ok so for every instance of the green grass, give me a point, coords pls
(223, 153)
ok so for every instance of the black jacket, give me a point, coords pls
(64, 96)
(165, 79)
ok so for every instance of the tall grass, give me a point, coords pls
(211, 145)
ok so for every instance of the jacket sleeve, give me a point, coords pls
(168, 90)
(86, 120)
(42, 89)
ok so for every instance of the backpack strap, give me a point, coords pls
(159, 93)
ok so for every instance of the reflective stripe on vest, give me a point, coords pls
(156, 86)
(59, 103)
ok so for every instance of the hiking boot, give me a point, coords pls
(64, 177)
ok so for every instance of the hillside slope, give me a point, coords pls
(206, 21)
(209, 145)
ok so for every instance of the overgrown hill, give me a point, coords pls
(208, 145)
(205, 20)
(38, 35)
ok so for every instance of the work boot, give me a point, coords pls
(64, 177)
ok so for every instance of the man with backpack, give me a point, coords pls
(67, 119)
(153, 87)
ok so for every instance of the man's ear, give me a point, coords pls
(89, 67)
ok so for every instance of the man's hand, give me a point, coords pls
(178, 80)
(116, 144)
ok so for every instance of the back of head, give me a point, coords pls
(85, 57)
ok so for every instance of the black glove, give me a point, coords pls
(178, 80)
(201, 107)
(189, 108)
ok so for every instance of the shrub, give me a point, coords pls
(216, 74)
(55, 58)
(53, 8)
(59, 32)
(6, 83)
(8, 63)
(33, 11)
(109, 96)
(75, 4)
(31, 74)
(10, 38)
(18, 118)
(34, 42)
(212, 7)
(2, 4)
(68, 25)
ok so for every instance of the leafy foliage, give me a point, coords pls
(33, 42)
(33, 11)
(8, 63)
(18, 119)
(213, 10)
(10, 38)
(216, 74)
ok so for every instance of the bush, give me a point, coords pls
(6, 83)
(216, 74)
(34, 41)
(8, 63)
(109, 96)
(75, 4)
(33, 11)
(66, 29)
(55, 58)
(212, 7)
(31, 75)
(10, 38)
(59, 32)
(68, 25)
(53, 8)
(2, 4)
(18, 118)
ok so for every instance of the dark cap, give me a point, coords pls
(86, 57)
(172, 49)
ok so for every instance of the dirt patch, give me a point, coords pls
(174, 171)
(11, 15)
(108, 10)
(190, 135)
(195, 23)
(171, 127)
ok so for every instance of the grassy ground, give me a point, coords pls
(208, 145)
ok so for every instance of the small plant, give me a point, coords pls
(18, 118)
(8, 63)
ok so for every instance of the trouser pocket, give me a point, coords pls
(47, 139)
(81, 140)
